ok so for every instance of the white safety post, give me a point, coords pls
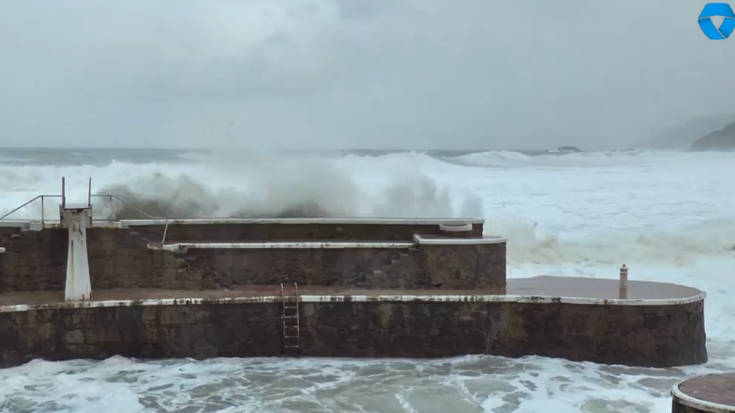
(78, 283)
(623, 282)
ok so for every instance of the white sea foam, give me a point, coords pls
(669, 216)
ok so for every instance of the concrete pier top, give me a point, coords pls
(712, 393)
(542, 289)
(598, 288)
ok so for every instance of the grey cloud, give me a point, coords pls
(340, 73)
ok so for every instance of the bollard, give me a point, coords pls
(623, 288)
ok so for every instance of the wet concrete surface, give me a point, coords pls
(583, 287)
(550, 286)
(713, 388)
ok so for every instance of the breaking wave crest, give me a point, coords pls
(529, 243)
(254, 186)
(413, 185)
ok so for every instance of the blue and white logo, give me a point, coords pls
(717, 10)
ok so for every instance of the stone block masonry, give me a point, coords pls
(423, 266)
(118, 258)
(638, 335)
(121, 258)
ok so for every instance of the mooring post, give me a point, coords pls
(63, 192)
(623, 289)
(89, 193)
(78, 284)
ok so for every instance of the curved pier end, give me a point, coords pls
(711, 393)
(656, 325)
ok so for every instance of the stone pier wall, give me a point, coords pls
(422, 267)
(120, 258)
(677, 407)
(655, 336)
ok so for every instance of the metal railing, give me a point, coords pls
(90, 196)
(43, 204)
(109, 197)
(125, 202)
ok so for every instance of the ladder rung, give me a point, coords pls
(290, 317)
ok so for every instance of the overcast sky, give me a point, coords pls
(469, 74)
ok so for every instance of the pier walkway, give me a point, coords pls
(540, 289)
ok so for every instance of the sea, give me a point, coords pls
(669, 216)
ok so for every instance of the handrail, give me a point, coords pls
(108, 196)
(37, 197)
(165, 231)
(165, 228)
(124, 202)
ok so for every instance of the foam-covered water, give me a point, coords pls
(669, 216)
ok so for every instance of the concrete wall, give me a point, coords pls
(656, 336)
(120, 258)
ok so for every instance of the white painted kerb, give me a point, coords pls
(48, 223)
(2, 250)
(455, 227)
(488, 298)
(418, 239)
(487, 239)
(302, 221)
(281, 245)
(703, 405)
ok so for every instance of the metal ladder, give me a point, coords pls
(290, 317)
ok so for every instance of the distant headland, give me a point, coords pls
(720, 140)
(682, 136)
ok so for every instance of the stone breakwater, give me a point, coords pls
(357, 326)
(354, 288)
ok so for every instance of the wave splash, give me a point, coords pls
(314, 191)
(401, 185)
